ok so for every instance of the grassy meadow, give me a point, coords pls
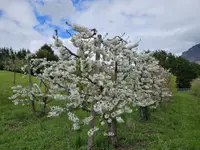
(173, 126)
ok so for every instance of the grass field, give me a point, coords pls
(174, 126)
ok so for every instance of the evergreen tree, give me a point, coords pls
(46, 52)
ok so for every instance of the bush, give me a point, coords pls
(195, 87)
(172, 84)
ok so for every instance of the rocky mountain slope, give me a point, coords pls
(193, 54)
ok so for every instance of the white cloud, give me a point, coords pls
(16, 26)
(57, 9)
(19, 11)
(173, 25)
(13, 35)
(161, 24)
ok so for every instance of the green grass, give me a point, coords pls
(174, 126)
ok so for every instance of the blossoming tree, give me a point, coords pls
(104, 77)
(152, 88)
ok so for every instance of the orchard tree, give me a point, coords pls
(151, 83)
(35, 93)
(104, 77)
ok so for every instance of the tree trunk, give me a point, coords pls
(91, 138)
(30, 87)
(97, 70)
(144, 113)
(33, 106)
(44, 108)
(14, 79)
(112, 127)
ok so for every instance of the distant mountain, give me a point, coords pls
(193, 54)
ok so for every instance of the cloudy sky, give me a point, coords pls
(172, 25)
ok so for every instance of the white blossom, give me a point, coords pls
(92, 131)
(109, 134)
(58, 43)
(87, 120)
(55, 111)
(72, 117)
(119, 119)
(75, 126)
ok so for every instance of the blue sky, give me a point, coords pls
(47, 19)
(165, 24)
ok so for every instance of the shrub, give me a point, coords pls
(195, 87)
(172, 84)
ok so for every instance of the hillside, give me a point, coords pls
(193, 54)
(173, 126)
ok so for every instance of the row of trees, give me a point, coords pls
(105, 78)
(184, 70)
(13, 60)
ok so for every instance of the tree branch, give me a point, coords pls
(71, 53)
(68, 32)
